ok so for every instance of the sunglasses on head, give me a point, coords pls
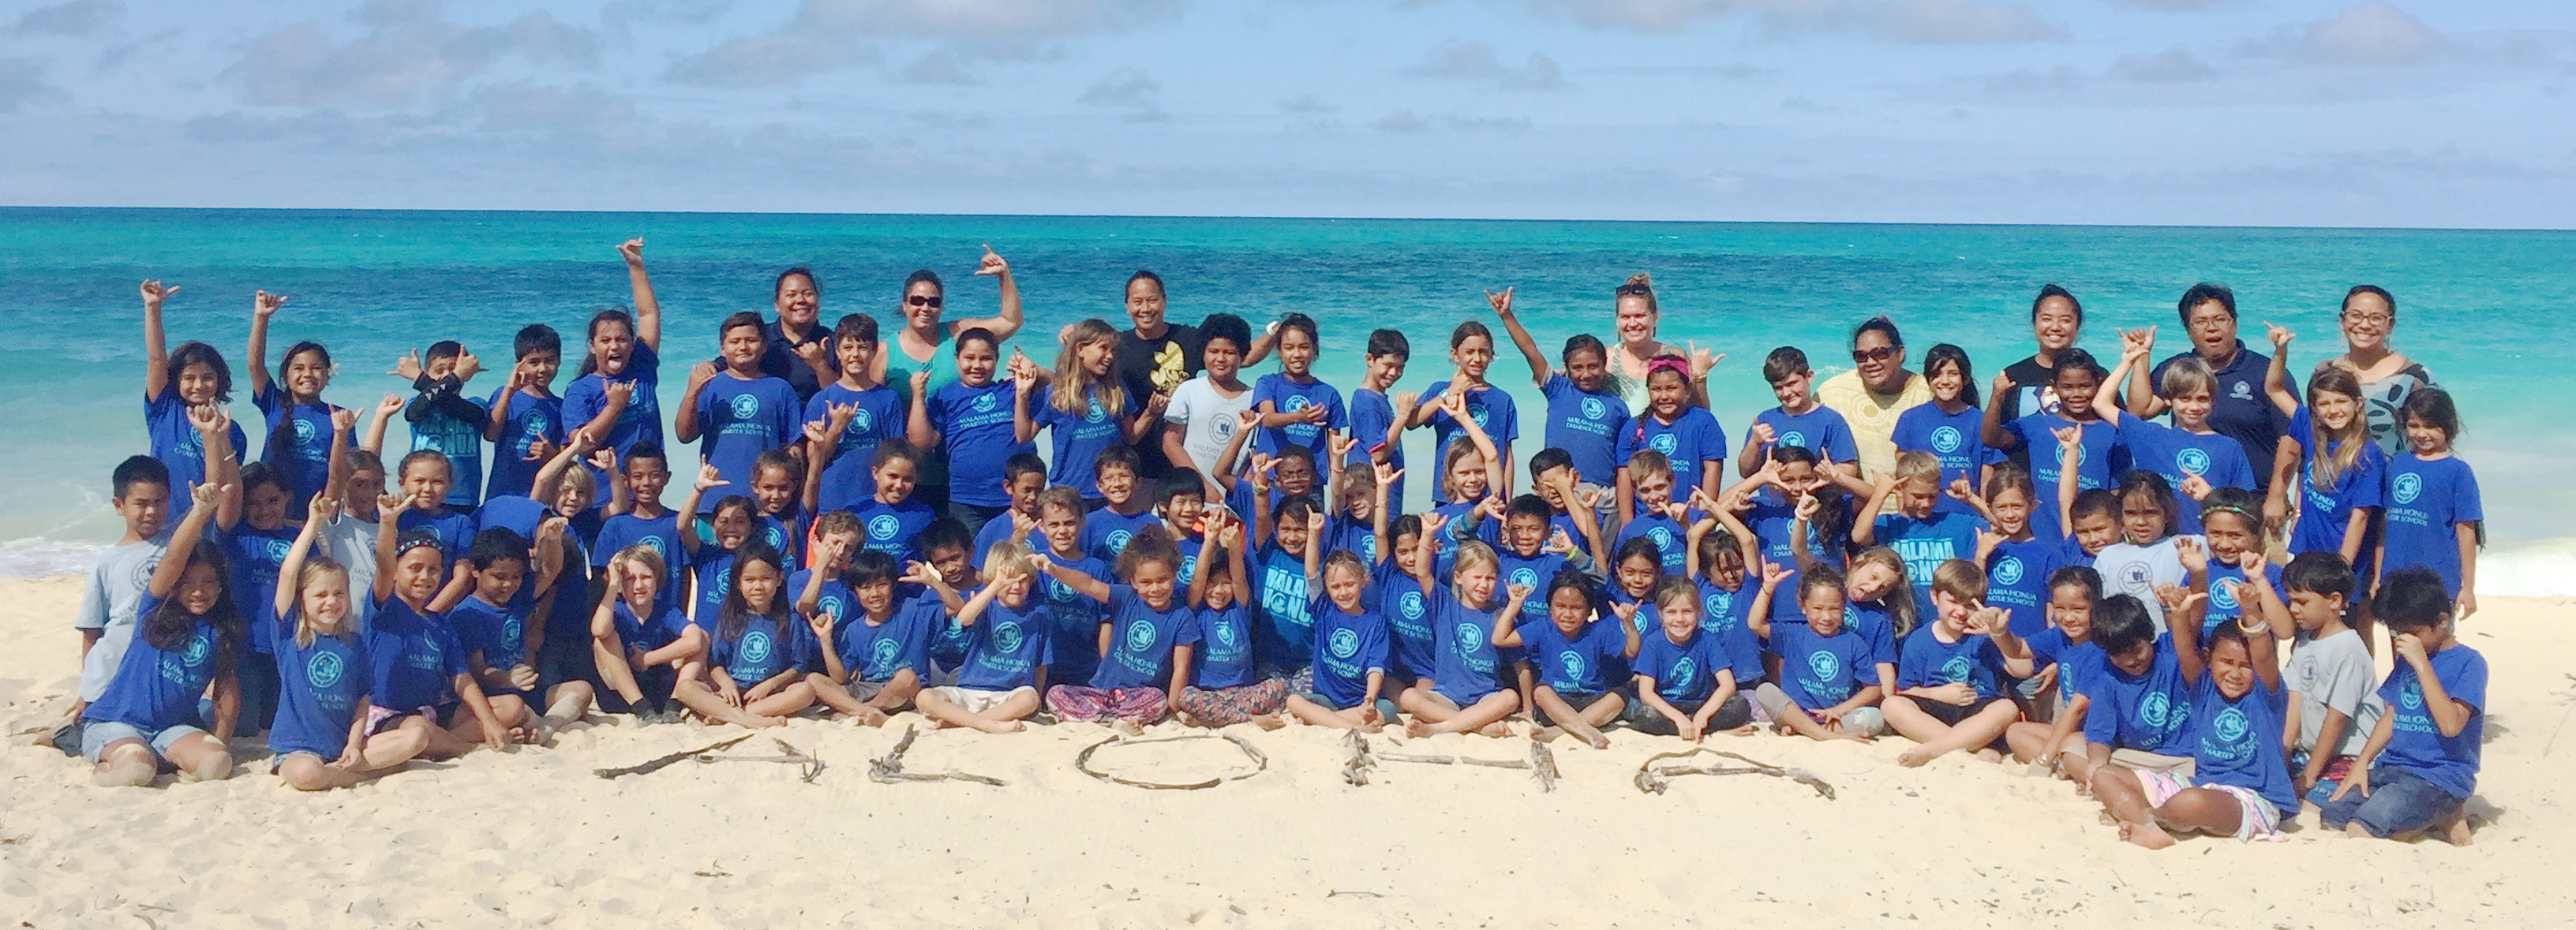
(921, 301)
(1880, 354)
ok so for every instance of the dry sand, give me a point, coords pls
(530, 838)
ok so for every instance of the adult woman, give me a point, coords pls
(2056, 322)
(794, 347)
(1151, 360)
(2387, 376)
(2238, 406)
(1634, 318)
(1874, 393)
(922, 344)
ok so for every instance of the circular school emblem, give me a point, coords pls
(513, 632)
(1343, 643)
(984, 403)
(1478, 413)
(1118, 540)
(2153, 709)
(1006, 636)
(1684, 669)
(2192, 461)
(882, 654)
(1946, 440)
(1221, 428)
(538, 423)
(1572, 662)
(775, 536)
(1714, 605)
(1793, 438)
(199, 647)
(1663, 443)
(655, 543)
(273, 551)
(2229, 726)
(1594, 409)
(323, 669)
(1368, 548)
(1140, 636)
(833, 607)
(1662, 536)
(883, 527)
(1409, 604)
(1955, 670)
(1225, 634)
(1467, 635)
(2134, 580)
(755, 647)
(1824, 665)
(1058, 592)
(861, 422)
(1094, 414)
(1189, 567)
(2411, 697)
(303, 431)
(1296, 402)
(143, 570)
(2223, 594)
(746, 406)
(2008, 571)
(2406, 487)
(1525, 576)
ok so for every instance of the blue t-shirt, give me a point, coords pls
(765, 647)
(517, 513)
(974, 425)
(1925, 544)
(415, 657)
(1006, 647)
(1371, 416)
(658, 534)
(1345, 533)
(460, 441)
(1684, 673)
(1492, 409)
(1722, 616)
(895, 529)
(1279, 589)
(1588, 425)
(1671, 540)
(319, 687)
(1822, 431)
(2415, 744)
(640, 636)
(2229, 596)
(155, 689)
(1770, 519)
(846, 479)
(299, 444)
(834, 601)
(1106, 532)
(1225, 648)
(1955, 440)
(524, 422)
(498, 631)
(713, 571)
(1408, 618)
(176, 444)
(1463, 523)
(1818, 672)
(998, 530)
(2426, 502)
(1142, 639)
(1532, 572)
(255, 555)
(2092, 464)
(1287, 395)
(2149, 712)
(1466, 666)
(875, 653)
(738, 419)
(1690, 441)
(2076, 662)
(2175, 455)
(641, 421)
(1576, 666)
(1875, 625)
(1077, 438)
(2324, 515)
(2017, 581)
(1972, 660)
(1076, 616)
(1348, 646)
(2239, 742)
(455, 531)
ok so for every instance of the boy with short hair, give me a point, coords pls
(1206, 411)
(1024, 474)
(1105, 533)
(1376, 416)
(525, 422)
(1920, 532)
(1572, 509)
(444, 419)
(1184, 498)
(646, 471)
(140, 492)
(848, 419)
(2139, 713)
(1800, 420)
(2417, 771)
(947, 548)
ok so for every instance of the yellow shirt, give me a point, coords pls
(1872, 417)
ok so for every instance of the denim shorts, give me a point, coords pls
(98, 733)
(2400, 801)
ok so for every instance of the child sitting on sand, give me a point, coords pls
(1951, 680)
(1005, 663)
(1145, 643)
(876, 657)
(318, 740)
(1828, 687)
(187, 635)
(754, 676)
(1685, 673)
(639, 639)
(1571, 656)
(2140, 713)
(1228, 688)
(1465, 690)
(2332, 709)
(2417, 771)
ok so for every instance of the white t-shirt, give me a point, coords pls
(352, 543)
(108, 602)
(2334, 672)
(1207, 418)
(2137, 570)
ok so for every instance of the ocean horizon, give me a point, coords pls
(2478, 307)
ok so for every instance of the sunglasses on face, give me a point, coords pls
(1880, 354)
(920, 301)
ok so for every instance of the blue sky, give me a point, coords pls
(2087, 111)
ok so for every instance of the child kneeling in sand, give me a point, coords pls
(318, 740)
(1951, 679)
(1144, 641)
(1828, 687)
(1010, 640)
(2421, 763)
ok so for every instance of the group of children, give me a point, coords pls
(2108, 613)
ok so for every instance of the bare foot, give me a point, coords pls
(2146, 834)
(1269, 721)
(2457, 831)
(1372, 727)
(1497, 729)
(1127, 727)
(1990, 756)
(1417, 728)
(871, 716)
(131, 767)
(1547, 734)
(2038, 769)
(758, 722)
(1189, 721)
(1600, 742)
(2357, 831)
(1915, 757)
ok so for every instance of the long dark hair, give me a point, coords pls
(736, 614)
(618, 315)
(169, 622)
(193, 352)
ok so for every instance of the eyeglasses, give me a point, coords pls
(1880, 354)
(2379, 319)
(920, 301)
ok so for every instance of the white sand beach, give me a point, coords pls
(531, 838)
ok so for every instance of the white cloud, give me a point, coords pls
(75, 19)
(1477, 62)
(1912, 22)
(828, 35)
(408, 50)
(1126, 89)
(2372, 34)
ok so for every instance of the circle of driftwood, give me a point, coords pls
(1653, 778)
(1260, 762)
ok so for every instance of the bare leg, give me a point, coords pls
(1426, 706)
(1570, 720)
(126, 763)
(1322, 716)
(697, 697)
(568, 703)
(784, 701)
(2126, 799)
(1488, 710)
(614, 670)
(1974, 732)
(200, 757)
(2201, 810)
(1795, 720)
(831, 694)
(949, 712)
(507, 710)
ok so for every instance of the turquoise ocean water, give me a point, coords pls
(2484, 310)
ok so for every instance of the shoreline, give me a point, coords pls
(533, 837)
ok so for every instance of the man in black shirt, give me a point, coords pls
(2238, 406)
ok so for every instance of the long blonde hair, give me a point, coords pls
(2333, 452)
(315, 567)
(1075, 389)
(1899, 599)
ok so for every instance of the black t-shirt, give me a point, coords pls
(1145, 367)
(778, 358)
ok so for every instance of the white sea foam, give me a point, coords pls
(39, 557)
(2546, 568)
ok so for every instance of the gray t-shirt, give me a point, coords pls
(352, 543)
(2137, 570)
(1207, 419)
(108, 602)
(2333, 673)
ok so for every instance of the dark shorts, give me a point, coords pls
(1952, 715)
(1579, 700)
(1736, 712)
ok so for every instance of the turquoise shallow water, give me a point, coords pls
(2483, 310)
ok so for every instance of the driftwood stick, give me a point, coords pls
(1260, 762)
(1654, 779)
(662, 762)
(1543, 765)
(888, 768)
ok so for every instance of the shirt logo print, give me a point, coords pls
(2192, 461)
(1946, 440)
(2407, 487)
(1663, 443)
(2008, 572)
(1593, 409)
(1140, 636)
(1793, 438)
(745, 406)
(324, 669)
(1824, 665)
(1344, 643)
(883, 527)
(1006, 636)
(755, 648)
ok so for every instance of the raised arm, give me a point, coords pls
(323, 508)
(1023, 383)
(1379, 518)
(2276, 376)
(496, 419)
(156, 348)
(684, 421)
(385, 410)
(1538, 366)
(183, 541)
(1864, 529)
(2184, 607)
(262, 306)
(1996, 436)
(1758, 619)
(684, 520)
(1008, 320)
(648, 311)
(223, 463)
(2135, 346)
(1506, 621)
(1082, 584)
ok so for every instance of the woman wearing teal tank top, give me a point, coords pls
(924, 342)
